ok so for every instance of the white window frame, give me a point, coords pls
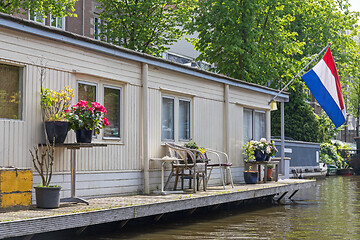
(22, 89)
(120, 109)
(35, 18)
(253, 112)
(56, 18)
(176, 99)
(86, 83)
(96, 28)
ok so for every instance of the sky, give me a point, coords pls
(355, 5)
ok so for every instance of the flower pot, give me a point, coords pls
(250, 177)
(47, 197)
(84, 136)
(260, 156)
(56, 130)
(269, 174)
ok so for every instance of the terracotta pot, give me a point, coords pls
(269, 173)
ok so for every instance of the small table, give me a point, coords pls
(73, 147)
(258, 165)
(163, 162)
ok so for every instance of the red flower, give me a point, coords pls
(66, 111)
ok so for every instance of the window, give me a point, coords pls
(37, 17)
(112, 101)
(96, 28)
(10, 92)
(87, 92)
(58, 22)
(254, 125)
(184, 119)
(175, 118)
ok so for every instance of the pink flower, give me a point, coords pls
(82, 103)
(106, 122)
(66, 111)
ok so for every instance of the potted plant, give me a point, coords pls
(269, 172)
(259, 150)
(47, 196)
(53, 105)
(250, 176)
(193, 145)
(86, 117)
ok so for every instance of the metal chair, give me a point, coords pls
(190, 164)
(224, 167)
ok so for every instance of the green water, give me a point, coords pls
(328, 211)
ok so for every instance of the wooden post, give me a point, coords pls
(145, 126)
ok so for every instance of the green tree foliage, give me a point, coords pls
(144, 25)
(57, 8)
(330, 156)
(301, 123)
(247, 40)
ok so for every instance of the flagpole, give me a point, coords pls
(325, 48)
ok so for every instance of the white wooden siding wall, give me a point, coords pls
(236, 134)
(20, 136)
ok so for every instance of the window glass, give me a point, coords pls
(57, 22)
(96, 28)
(248, 125)
(112, 105)
(260, 127)
(86, 92)
(10, 92)
(184, 119)
(167, 119)
(37, 17)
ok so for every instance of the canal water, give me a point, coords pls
(328, 211)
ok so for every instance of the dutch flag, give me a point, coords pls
(323, 81)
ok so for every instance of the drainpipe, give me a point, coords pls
(83, 17)
(145, 126)
(227, 119)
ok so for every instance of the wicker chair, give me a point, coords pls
(190, 164)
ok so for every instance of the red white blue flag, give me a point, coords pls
(323, 82)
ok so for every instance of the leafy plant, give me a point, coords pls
(86, 115)
(191, 144)
(55, 103)
(264, 146)
(330, 156)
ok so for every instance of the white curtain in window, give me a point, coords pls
(167, 119)
(248, 125)
(184, 119)
(260, 127)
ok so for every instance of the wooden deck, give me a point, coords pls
(123, 208)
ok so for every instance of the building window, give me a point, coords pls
(254, 125)
(96, 28)
(37, 17)
(86, 92)
(58, 22)
(175, 119)
(167, 118)
(184, 119)
(10, 92)
(112, 103)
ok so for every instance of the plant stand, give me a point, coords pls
(73, 147)
(259, 164)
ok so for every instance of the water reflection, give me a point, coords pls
(327, 211)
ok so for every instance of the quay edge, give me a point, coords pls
(174, 203)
